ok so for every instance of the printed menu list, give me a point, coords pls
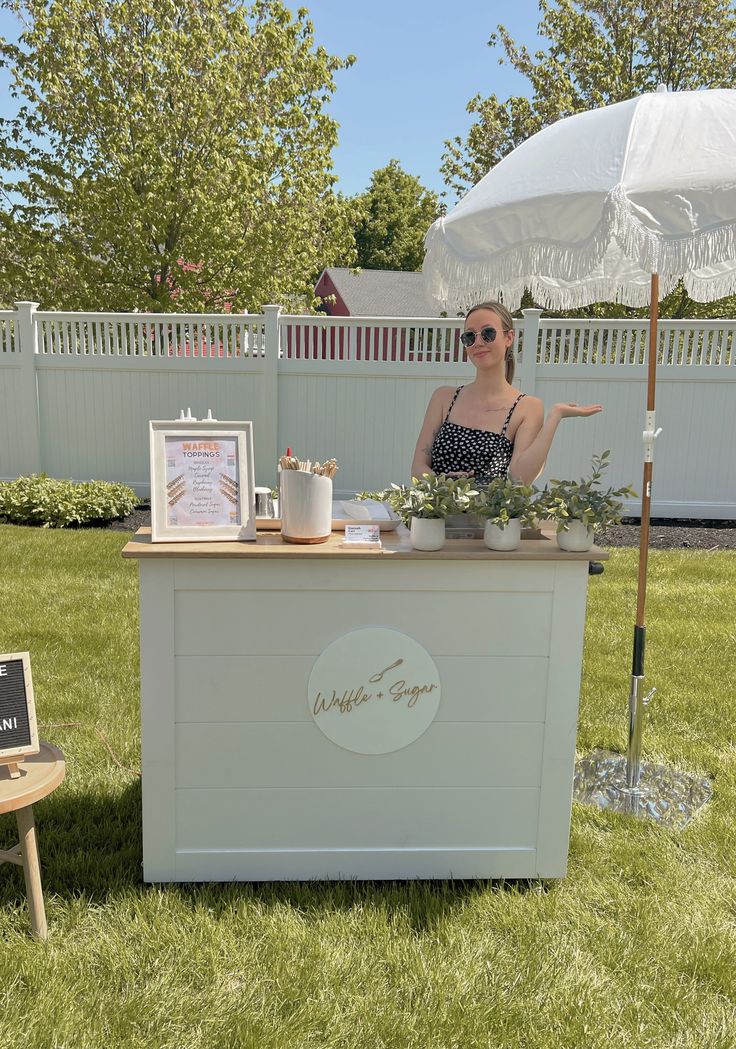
(202, 482)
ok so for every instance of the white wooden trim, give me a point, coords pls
(373, 864)
(452, 576)
(286, 755)
(565, 662)
(158, 706)
(357, 818)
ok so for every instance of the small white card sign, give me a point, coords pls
(362, 535)
(374, 691)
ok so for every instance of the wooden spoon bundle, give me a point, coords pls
(326, 469)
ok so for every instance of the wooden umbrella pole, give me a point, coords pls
(646, 494)
(636, 701)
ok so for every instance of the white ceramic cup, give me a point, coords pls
(264, 503)
(306, 507)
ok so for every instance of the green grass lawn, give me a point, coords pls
(635, 948)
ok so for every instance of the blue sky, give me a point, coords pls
(419, 62)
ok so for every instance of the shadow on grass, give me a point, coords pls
(90, 845)
(421, 905)
(89, 842)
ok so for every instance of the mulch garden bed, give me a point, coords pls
(664, 533)
(672, 534)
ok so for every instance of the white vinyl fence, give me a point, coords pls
(77, 391)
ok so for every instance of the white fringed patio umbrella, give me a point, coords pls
(614, 205)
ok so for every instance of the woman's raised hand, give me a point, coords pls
(571, 410)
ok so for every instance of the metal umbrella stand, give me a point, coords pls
(626, 784)
(607, 206)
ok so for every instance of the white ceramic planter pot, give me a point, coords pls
(427, 533)
(507, 538)
(578, 537)
(306, 507)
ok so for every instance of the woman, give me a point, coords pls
(488, 428)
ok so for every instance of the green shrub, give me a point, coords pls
(42, 500)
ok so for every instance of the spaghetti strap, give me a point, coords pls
(511, 412)
(457, 391)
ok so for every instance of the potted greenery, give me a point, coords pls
(428, 502)
(506, 505)
(580, 507)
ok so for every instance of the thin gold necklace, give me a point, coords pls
(503, 408)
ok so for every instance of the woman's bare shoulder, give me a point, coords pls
(442, 396)
(531, 406)
(528, 416)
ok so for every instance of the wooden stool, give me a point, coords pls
(39, 775)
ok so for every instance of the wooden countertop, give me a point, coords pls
(396, 544)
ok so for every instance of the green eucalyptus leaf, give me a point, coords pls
(584, 500)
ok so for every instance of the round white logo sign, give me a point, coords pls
(374, 690)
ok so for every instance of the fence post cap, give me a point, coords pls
(532, 313)
(25, 302)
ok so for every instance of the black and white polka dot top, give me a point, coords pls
(483, 453)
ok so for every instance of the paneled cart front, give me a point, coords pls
(320, 712)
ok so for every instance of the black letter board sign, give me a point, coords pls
(18, 732)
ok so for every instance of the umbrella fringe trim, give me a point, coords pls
(575, 298)
(670, 256)
(456, 283)
(704, 289)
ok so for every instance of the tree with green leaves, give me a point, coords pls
(167, 154)
(391, 218)
(599, 52)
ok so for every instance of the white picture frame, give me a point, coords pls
(202, 481)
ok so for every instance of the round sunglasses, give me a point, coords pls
(467, 338)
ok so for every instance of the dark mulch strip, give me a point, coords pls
(664, 533)
(140, 518)
(672, 534)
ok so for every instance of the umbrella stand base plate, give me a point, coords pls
(666, 795)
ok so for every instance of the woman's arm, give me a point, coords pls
(533, 437)
(422, 462)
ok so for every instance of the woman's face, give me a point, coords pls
(487, 354)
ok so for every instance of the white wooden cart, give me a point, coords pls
(239, 781)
